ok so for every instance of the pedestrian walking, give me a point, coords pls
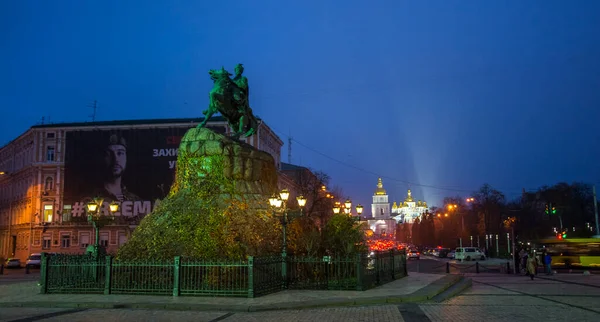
(531, 265)
(548, 263)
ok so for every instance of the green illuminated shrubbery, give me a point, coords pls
(203, 217)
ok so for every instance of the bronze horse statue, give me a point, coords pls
(231, 100)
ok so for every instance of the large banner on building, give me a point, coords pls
(134, 167)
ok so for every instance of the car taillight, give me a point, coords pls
(418, 253)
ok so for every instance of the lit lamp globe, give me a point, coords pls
(92, 206)
(273, 201)
(336, 209)
(284, 194)
(359, 209)
(114, 206)
(348, 204)
(301, 201)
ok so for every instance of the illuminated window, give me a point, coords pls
(48, 209)
(50, 153)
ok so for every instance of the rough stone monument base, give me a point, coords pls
(217, 206)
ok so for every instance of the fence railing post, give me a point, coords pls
(507, 267)
(176, 266)
(393, 268)
(477, 267)
(359, 272)
(250, 276)
(44, 274)
(447, 268)
(108, 275)
(284, 278)
(377, 266)
(405, 267)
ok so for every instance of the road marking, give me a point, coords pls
(222, 317)
(567, 282)
(538, 297)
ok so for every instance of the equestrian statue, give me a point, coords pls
(229, 97)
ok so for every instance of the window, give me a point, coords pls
(66, 215)
(104, 239)
(65, 240)
(47, 242)
(84, 240)
(122, 238)
(50, 135)
(49, 183)
(50, 153)
(48, 209)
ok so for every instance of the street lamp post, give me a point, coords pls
(94, 208)
(280, 202)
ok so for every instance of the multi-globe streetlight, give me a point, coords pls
(94, 216)
(279, 204)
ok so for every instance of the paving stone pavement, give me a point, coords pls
(492, 298)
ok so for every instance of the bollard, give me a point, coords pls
(1, 269)
(447, 267)
(507, 267)
(477, 267)
(27, 269)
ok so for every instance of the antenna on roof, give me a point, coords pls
(94, 106)
(289, 149)
(42, 120)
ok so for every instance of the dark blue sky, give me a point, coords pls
(447, 94)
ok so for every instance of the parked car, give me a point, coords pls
(450, 254)
(468, 253)
(413, 254)
(13, 263)
(34, 260)
(443, 252)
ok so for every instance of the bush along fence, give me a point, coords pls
(256, 276)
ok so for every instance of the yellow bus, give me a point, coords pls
(573, 252)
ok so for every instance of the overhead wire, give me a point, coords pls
(384, 176)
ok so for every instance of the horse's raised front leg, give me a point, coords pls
(207, 115)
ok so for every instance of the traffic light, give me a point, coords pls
(554, 210)
(547, 209)
(564, 235)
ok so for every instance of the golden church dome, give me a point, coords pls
(380, 191)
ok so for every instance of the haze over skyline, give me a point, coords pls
(440, 97)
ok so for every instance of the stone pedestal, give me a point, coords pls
(241, 171)
(217, 207)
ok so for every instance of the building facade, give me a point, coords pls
(46, 172)
(408, 210)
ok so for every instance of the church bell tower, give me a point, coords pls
(380, 208)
